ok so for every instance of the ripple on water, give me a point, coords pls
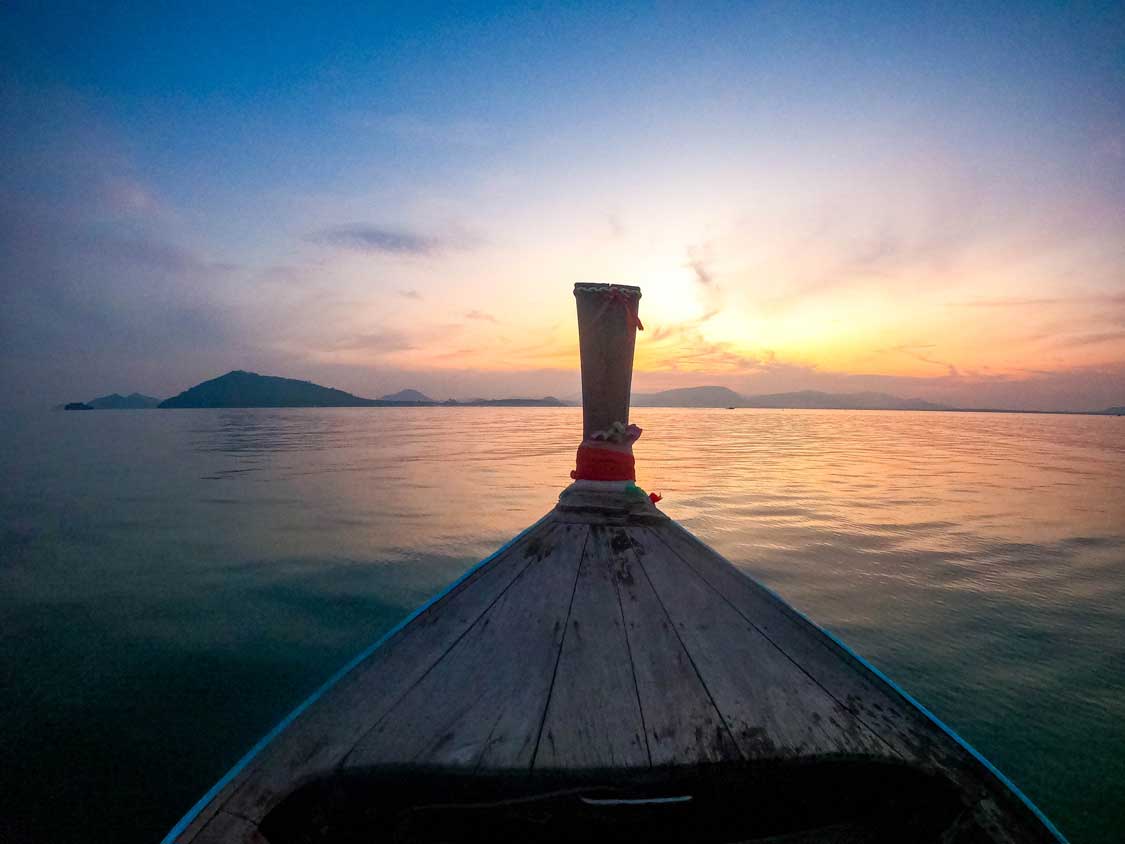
(171, 582)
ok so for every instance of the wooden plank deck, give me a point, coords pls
(594, 718)
(682, 722)
(590, 646)
(482, 703)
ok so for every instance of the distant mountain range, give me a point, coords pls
(408, 395)
(810, 399)
(115, 401)
(249, 389)
(689, 397)
(546, 401)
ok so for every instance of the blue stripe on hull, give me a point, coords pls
(945, 728)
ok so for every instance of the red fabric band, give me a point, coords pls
(603, 464)
(615, 295)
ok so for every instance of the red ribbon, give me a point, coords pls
(603, 464)
(613, 294)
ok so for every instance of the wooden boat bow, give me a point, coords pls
(606, 675)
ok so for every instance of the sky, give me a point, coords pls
(921, 199)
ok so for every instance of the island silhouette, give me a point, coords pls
(249, 389)
(115, 401)
(809, 399)
(408, 395)
(240, 388)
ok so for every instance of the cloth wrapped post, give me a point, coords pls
(607, 455)
(608, 321)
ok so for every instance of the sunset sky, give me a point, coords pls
(839, 197)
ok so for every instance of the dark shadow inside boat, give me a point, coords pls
(828, 799)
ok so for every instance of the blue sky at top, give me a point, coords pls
(980, 148)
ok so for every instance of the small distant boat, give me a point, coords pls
(605, 676)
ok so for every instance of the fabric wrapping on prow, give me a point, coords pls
(597, 463)
(608, 455)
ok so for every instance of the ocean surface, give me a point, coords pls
(172, 583)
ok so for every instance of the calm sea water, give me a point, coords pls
(173, 582)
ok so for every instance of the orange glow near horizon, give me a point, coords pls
(944, 220)
(707, 324)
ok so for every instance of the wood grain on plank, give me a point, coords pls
(594, 718)
(896, 721)
(770, 705)
(482, 705)
(684, 727)
(321, 736)
(903, 728)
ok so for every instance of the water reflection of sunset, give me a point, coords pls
(938, 480)
(975, 557)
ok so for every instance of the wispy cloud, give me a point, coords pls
(376, 341)
(683, 347)
(396, 240)
(702, 272)
(367, 237)
(919, 352)
(701, 263)
(840, 254)
(1094, 339)
(481, 315)
(1021, 302)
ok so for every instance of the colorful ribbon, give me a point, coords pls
(603, 464)
(615, 295)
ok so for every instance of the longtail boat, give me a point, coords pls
(607, 676)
